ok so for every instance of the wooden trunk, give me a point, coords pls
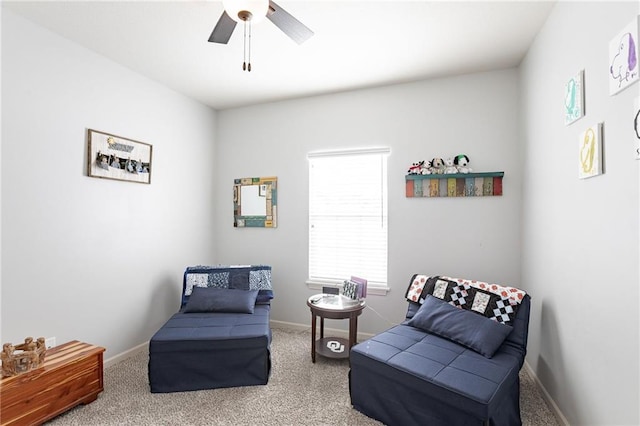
(70, 375)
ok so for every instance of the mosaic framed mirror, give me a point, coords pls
(255, 202)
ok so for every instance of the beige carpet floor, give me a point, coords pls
(298, 393)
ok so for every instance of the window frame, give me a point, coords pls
(372, 288)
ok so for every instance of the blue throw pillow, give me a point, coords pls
(264, 297)
(467, 328)
(211, 299)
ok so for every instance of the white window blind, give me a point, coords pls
(348, 216)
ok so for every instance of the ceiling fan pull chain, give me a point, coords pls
(249, 67)
(244, 46)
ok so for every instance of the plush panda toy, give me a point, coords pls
(461, 162)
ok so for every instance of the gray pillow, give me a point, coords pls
(467, 328)
(211, 299)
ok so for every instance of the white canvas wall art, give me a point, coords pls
(574, 98)
(636, 127)
(623, 58)
(590, 152)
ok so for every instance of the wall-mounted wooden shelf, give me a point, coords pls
(454, 185)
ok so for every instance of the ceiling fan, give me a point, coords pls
(253, 11)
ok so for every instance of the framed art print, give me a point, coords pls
(636, 127)
(574, 98)
(115, 157)
(590, 152)
(623, 58)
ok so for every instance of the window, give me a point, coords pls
(348, 217)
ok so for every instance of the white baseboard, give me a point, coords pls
(290, 326)
(545, 395)
(304, 327)
(142, 347)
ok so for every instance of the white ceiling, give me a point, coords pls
(356, 43)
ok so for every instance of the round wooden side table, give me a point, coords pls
(333, 307)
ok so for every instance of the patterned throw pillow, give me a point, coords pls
(493, 301)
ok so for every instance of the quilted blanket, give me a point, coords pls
(242, 277)
(497, 302)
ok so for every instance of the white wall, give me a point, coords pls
(93, 259)
(580, 240)
(474, 238)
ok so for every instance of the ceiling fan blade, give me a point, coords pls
(289, 25)
(223, 30)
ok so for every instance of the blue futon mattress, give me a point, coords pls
(194, 351)
(425, 371)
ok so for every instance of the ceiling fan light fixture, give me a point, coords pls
(236, 9)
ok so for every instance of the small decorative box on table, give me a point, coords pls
(454, 185)
(70, 375)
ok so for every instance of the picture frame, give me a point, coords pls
(590, 152)
(623, 58)
(574, 98)
(115, 157)
(636, 126)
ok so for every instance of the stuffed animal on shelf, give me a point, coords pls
(424, 170)
(461, 162)
(416, 168)
(449, 168)
(436, 166)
